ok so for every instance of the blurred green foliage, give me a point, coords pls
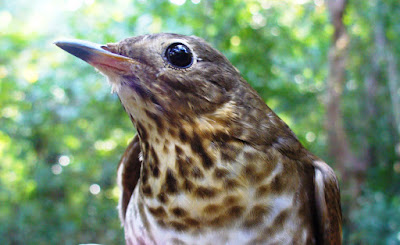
(62, 132)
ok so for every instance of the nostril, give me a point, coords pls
(105, 47)
(113, 48)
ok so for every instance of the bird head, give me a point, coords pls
(173, 75)
(177, 82)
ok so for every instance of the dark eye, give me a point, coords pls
(179, 55)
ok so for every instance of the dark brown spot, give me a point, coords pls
(249, 171)
(260, 210)
(230, 200)
(144, 175)
(172, 132)
(251, 174)
(178, 225)
(162, 197)
(161, 223)
(221, 136)
(154, 156)
(229, 152)
(171, 182)
(220, 173)
(155, 170)
(165, 149)
(157, 120)
(191, 222)
(146, 189)
(280, 219)
(226, 157)
(179, 212)
(182, 167)
(183, 135)
(211, 209)
(256, 215)
(188, 185)
(219, 221)
(145, 149)
(158, 212)
(277, 185)
(262, 191)
(250, 156)
(198, 148)
(235, 211)
(142, 132)
(230, 184)
(178, 150)
(196, 173)
(205, 192)
(249, 223)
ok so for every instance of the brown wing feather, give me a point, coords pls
(128, 174)
(328, 208)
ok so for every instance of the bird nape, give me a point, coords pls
(211, 162)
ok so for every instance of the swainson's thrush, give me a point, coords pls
(212, 163)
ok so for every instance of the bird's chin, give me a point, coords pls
(113, 79)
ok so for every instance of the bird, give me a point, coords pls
(211, 163)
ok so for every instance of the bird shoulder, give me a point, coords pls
(128, 175)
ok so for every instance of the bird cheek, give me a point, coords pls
(214, 94)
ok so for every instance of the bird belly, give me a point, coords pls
(142, 228)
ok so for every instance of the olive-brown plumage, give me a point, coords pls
(211, 163)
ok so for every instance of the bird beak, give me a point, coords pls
(97, 55)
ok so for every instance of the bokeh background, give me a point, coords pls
(62, 132)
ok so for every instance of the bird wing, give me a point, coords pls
(327, 199)
(128, 174)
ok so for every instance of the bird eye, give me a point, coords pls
(179, 55)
